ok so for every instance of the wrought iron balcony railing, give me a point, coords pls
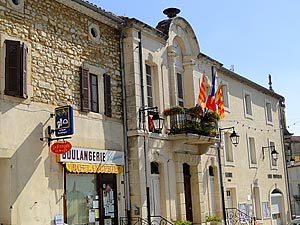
(192, 120)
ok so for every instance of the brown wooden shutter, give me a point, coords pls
(23, 72)
(13, 64)
(85, 90)
(107, 95)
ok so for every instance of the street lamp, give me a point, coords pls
(155, 125)
(155, 120)
(271, 148)
(292, 161)
(234, 138)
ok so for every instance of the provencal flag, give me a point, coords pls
(211, 103)
(202, 93)
(220, 102)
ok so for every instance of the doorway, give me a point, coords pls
(188, 192)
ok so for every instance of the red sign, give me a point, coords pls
(61, 147)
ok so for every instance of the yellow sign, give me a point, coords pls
(297, 158)
(92, 168)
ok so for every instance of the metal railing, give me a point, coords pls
(188, 123)
(155, 220)
(235, 216)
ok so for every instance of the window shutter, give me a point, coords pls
(23, 72)
(85, 90)
(107, 95)
(12, 68)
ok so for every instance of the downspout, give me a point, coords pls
(126, 153)
(144, 125)
(285, 167)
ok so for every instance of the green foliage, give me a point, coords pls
(174, 110)
(213, 218)
(183, 222)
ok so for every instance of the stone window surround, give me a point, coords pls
(2, 72)
(18, 7)
(99, 72)
(94, 32)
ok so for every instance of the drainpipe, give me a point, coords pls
(126, 153)
(285, 166)
(144, 125)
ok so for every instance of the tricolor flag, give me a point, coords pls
(211, 103)
(220, 102)
(202, 93)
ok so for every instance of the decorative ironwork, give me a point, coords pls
(235, 216)
(155, 220)
(297, 199)
(189, 121)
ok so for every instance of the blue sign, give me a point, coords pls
(64, 121)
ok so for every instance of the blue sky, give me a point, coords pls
(258, 37)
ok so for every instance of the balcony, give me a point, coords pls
(192, 123)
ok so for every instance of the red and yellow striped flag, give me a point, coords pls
(219, 102)
(202, 93)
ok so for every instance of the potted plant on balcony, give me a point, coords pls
(174, 110)
(213, 220)
(183, 222)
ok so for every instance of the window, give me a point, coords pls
(91, 198)
(269, 112)
(266, 210)
(225, 95)
(228, 148)
(257, 203)
(94, 93)
(180, 89)
(273, 161)
(248, 104)
(252, 151)
(90, 92)
(16, 69)
(149, 86)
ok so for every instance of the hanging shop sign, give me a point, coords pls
(96, 156)
(64, 121)
(61, 147)
(92, 168)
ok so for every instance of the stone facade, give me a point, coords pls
(60, 43)
(61, 36)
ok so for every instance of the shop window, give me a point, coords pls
(16, 69)
(91, 199)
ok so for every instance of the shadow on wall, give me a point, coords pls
(25, 161)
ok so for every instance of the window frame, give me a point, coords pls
(102, 82)
(149, 87)
(252, 152)
(273, 163)
(268, 112)
(21, 65)
(225, 92)
(180, 100)
(248, 104)
(228, 148)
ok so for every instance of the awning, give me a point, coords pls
(92, 168)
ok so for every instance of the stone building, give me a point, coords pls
(190, 170)
(58, 53)
(293, 159)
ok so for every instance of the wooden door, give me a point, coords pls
(188, 192)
